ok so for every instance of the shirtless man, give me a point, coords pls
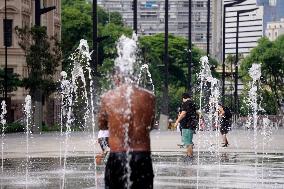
(128, 112)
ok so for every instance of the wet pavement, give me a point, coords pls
(252, 160)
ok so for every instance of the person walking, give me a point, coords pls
(189, 118)
(128, 111)
(225, 123)
(181, 124)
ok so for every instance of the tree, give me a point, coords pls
(13, 81)
(271, 57)
(153, 50)
(77, 24)
(43, 56)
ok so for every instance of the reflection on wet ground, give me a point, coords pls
(210, 170)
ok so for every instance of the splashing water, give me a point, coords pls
(81, 66)
(127, 115)
(63, 102)
(144, 80)
(69, 97)
(125, 63)
(81, 58)
(66, 105)
(206, 78)
(3, 123)
(72, 90)
(27, 110)
(127, 51)
(128, 66)
(255, 74)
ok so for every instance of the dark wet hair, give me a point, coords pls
(186, 95)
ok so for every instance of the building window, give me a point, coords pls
(272, 2)
(185, 4)
(10, 71)
(8, 31)
(199, 4)
(199, 37)
(197, 16)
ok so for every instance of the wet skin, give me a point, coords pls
(127, 107)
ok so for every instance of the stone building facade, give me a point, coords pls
(274, 29)
(22, 13)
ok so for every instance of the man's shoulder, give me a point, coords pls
(144, 91)
(124, 89)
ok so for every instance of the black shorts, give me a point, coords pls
(225, 127)
(141, 174)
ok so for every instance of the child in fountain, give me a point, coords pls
(103, 136)
(128, 112)
(225, 123)
(103, 140)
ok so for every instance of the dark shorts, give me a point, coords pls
(103, 143)
(141, 174)
(225, 127)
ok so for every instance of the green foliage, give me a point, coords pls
(43, 56)
(269, 103)
(152, 53)
(175, 95)
(47, 128)
(270, 55)
(108, 46)
(14, 128)
(77, 24)
(13, 81)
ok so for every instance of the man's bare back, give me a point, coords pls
(128, 111)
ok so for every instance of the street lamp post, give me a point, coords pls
(224, 56)
(236, 102)
(37, 126)
(189, 46)
(163, 121)
(135, 16)
(166, 59)
(39, 11)
(95, 37)
(6, 53)
(208, 27)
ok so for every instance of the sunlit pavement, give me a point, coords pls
(162, 142)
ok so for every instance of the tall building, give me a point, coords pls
(275, 29)
(151, 17)
(252, 25)
(22, 13)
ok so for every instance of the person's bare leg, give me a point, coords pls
(190, 150)
(225, 140)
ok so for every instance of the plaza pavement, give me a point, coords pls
(162, 143)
